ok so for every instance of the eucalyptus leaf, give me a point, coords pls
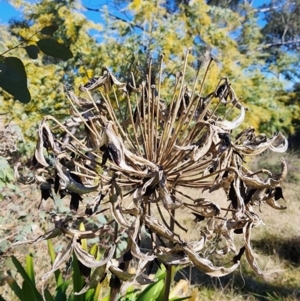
(55, 49)
(3, 67)
(32, 51)
(49, 30)
(13, 79)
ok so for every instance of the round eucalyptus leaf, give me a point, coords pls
(3, 67)
(32, 51)
(49, 30)
(14, 79)
(55, 49)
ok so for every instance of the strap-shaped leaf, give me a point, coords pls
(28, 292)
(26, 278)
(57, 273)
(30, 268)
(14, 286)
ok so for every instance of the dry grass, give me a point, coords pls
(276, 244)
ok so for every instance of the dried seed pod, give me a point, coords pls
(149, 160)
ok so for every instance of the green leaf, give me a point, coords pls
(32, 51)
(58, 276)
(55, 49)
(10, 175)
(29, 268)
(25, 276)
(97, 292)
(180, 299)
(51, 250)
(49, 30)
(106, 298)
(78, 281)
(152, 291)
(13, 79)
(94, 250)
(14, 286)
(3, 67)
(48, 296)
(155, 290)
(83, 241)
(161, 273)
(131, 294)
(61, 291)
(27, 292)
(20, 269)
(89, 295)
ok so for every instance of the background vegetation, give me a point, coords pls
(256, 48)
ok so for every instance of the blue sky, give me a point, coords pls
(7, 11)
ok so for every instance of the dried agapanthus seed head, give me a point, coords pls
(143, 161)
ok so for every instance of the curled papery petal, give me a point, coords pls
(169, 257)
(124, 276)
(205, 207)
(199, 152)
(249, 252)
(60, 259)
(87, 259)
(136, 252)
(207, 267)
(160, 229)
(252, 147)
(256, 182)
(138, 278)
(231, 125)
(274, 204)
(106, 81)
(39, 150)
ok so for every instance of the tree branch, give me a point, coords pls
(113, 16)
(266, 9)
(280, 43)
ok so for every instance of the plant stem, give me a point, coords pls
(169, 268)
(114, 293)
(25, 41)
(168, 282)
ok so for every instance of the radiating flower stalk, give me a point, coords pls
(140, 165)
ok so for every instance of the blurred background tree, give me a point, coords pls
(256, 48)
